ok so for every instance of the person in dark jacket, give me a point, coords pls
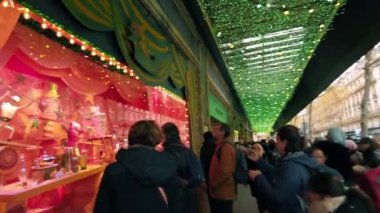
(368, 147)
(327, 194)
(320, 158)
(338, 158)
(284, 187)
(207, 151)
(173, 146)
(142, 180)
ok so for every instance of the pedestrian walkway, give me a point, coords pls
(245, 202)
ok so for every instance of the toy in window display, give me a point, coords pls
(99, 122)
(73, 134)
(49, 104)
(8, 110)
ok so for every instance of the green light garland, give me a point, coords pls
(266, 45)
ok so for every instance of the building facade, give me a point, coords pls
(340, 104)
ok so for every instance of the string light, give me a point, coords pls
(93, 53)
(44, 25)
(26, 15)
(60, 33)
(5, 4)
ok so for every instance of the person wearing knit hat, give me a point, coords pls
(336, 135)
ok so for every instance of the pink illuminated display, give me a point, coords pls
(52, 99)
(61, 86)
(57, 87)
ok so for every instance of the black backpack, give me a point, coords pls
(241, 171)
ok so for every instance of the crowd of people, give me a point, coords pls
(284, 175)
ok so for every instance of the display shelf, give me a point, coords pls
(16, 192)
(92, 143)
(20, 144)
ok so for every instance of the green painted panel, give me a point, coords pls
(217, 109)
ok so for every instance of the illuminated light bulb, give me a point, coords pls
(5, 4)
(88, 79)
(26, 15)
(72, 41)
(83, 47)
(44, 25)
(102, 58)
(286, 12)
(59, 34)
(137, 77)
(118, 67)
(110, 63)
(337, 4)
(268, 5)
(311, 11)
(321, 26)
(93, 53)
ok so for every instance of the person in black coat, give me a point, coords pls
(142, 180)
(327, 194)
(338, 158)
(207, 151)
(172, 145)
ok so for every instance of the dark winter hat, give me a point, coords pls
(366, 140)
(325, 184)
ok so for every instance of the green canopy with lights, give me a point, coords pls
(266, 45)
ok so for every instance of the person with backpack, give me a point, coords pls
(189, 175)
(222, 186)
(141, 180)
(283, 187)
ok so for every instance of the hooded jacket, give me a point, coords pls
(132, 183)
(282, 186)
